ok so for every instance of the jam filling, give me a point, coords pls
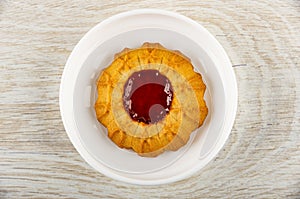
(147, 96)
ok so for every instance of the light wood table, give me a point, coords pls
(261, 158)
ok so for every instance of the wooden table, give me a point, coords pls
(261, 158)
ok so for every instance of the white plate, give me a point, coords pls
(95, 51)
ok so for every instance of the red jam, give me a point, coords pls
(147, 96)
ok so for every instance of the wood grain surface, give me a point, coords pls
(261, 158)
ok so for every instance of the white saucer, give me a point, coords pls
(95, 51)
